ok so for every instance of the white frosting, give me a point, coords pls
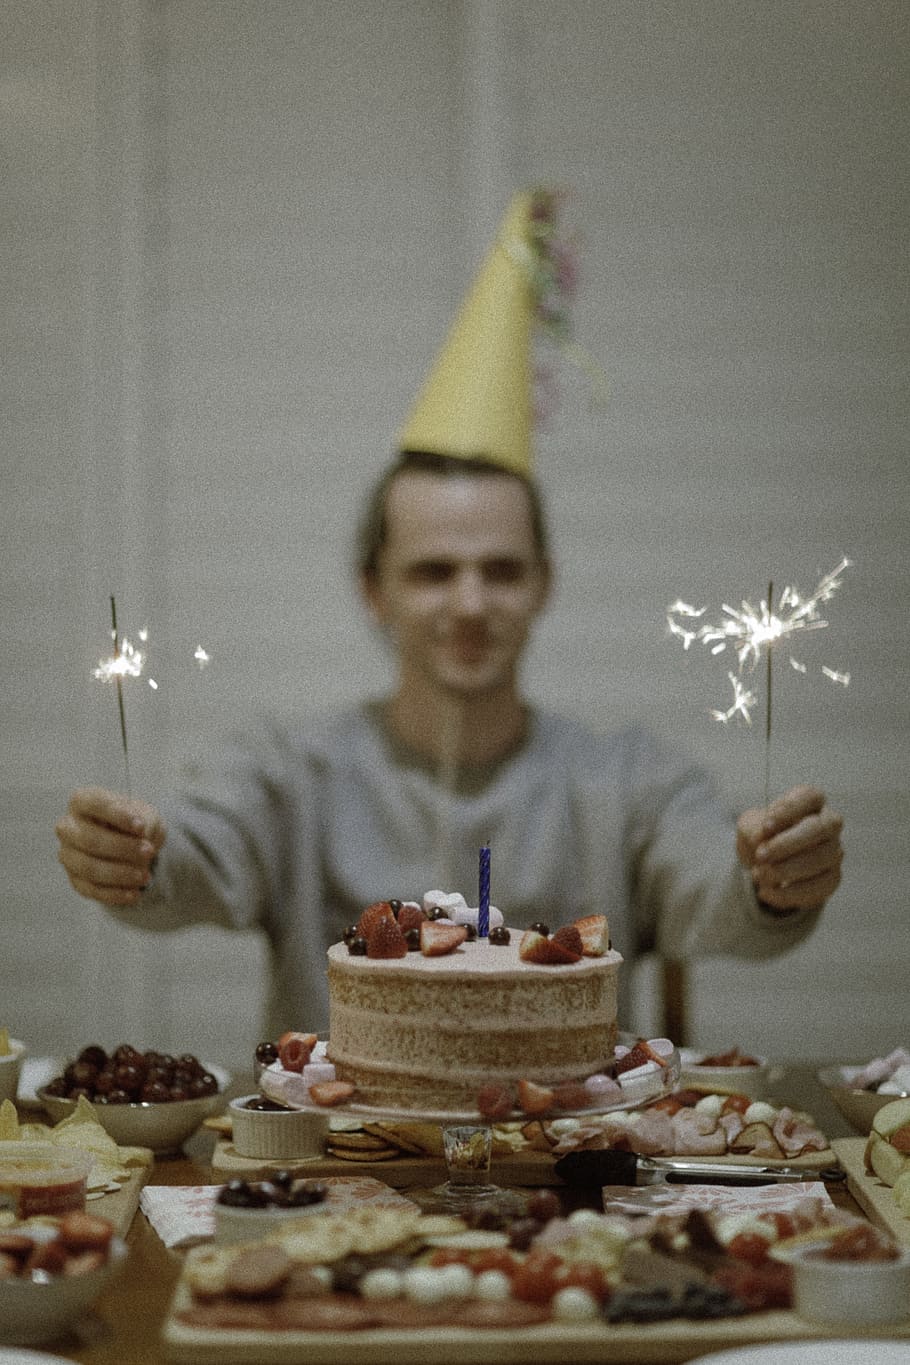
(457, 910)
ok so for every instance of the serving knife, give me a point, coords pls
(609, 1167)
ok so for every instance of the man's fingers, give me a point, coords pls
(819, 860)
(790, 808)
(101, 872)
(107, 895)
(112, 810)
(825, 826)
(806, 895)
(101, 841)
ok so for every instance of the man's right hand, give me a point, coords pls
(108, 844)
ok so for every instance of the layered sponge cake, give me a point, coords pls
(425, 1032)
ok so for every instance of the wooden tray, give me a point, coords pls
(874, 1197)
(120, 1206)
(661, 1343)
(526, 1168)
(510, 1169)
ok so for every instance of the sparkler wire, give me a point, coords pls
(119, 681)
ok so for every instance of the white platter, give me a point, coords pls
(639, 1089)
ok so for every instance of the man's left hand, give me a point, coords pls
(792, 849)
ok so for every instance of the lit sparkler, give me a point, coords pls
(128, 661)
(751, 631)
(125, 662)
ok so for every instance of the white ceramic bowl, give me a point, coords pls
(723, 1080)
(31, 1312)
(850, 1293)
(10, 1067)
(858, 1107)
(234, 1225)
(162, 1127)
(277, 1134)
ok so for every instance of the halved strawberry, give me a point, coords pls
(410, 917)
(595, 934)
(534, 1098)
(641, 1053)
(437, 939)
(295, 1049)
(539, 949)
(569, 940)
(385, 939)
(572, 1095)
(328, 1093)
(533, 947)
(371, 916)
(495, 1101)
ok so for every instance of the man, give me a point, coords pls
(395, 797)
(306, 825)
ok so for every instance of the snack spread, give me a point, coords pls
(423, 1025)
(400, 1268)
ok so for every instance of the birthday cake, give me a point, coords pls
(425, 1030)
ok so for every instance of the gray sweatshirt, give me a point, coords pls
(302, 827)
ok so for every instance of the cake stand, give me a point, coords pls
(468, 1139)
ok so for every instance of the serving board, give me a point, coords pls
(526, 1168)
(510, 1169)
(875, 1198)
(662, 1343)
(120, 1205)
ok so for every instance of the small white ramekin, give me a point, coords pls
(850, 1293)
(233, 1225)
(277, 1134)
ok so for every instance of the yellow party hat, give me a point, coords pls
(477, 401)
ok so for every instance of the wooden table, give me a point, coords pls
(124, 1328)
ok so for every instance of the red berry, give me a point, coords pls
(536, 1281)
(572, 1095)
(533, 1098)
(331, 1092)
(295, 1049)
(495, 1101)
(410, 917)
(438, 939)
(569, 939)
(749, 1246)
(379, 910)
(386, 940)
(586, 1275)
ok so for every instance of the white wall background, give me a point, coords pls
(233, 236)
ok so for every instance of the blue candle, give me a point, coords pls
(483, 913)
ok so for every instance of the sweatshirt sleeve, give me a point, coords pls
(691, 896)
(225, 855)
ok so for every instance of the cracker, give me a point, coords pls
(358, 1142)
(374, 1229)
(420, 1139)
(317, 1238)
(206, 1270)
(342, 1154)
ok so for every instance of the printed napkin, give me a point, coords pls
(184, 1215)
(664, 1197)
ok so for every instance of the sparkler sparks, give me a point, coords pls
(743, 699)
(752, 631)
(128, 661)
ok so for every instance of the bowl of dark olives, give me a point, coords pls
(141, 1098)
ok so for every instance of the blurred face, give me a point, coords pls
(459, 581)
